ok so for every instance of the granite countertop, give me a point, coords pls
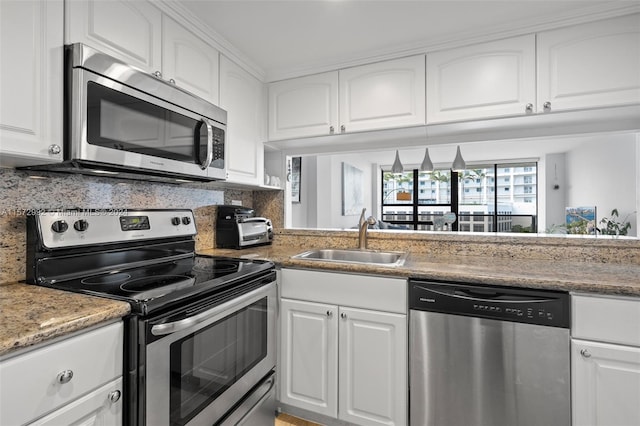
(32, 314)
(58, 313)
(602, 278)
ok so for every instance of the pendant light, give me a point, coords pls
(427, 165)
(458, 163)
(397, 165)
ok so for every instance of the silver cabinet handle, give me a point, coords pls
(343, 129)
(54, 149)
(65, 376)
(546, 106)
(114, 396)
(172, 81)
(343, 315)
(331, 130)
(329, 314)
(528, 108)
(158, 74)
(585, 353)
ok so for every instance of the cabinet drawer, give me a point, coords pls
(606, 319)
(357, 291)
(30, 386)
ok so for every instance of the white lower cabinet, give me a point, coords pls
(75, 381)
(605, 361)
(99, 408)
(344, 362)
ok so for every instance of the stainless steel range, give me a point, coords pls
(200, 342)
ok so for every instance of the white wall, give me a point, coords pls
(305, 213)
(551, 208)
(321, 192)
(617, 160)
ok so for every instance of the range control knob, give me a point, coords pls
(186, 220)
(59, 226)
(80, 225)
(175, 221)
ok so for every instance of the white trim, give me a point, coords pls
(183, 16)
(512, 29)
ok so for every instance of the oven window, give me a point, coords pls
(120, 121)
(206, 363)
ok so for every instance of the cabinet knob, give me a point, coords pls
(329, 314)
(546, 106)
(343, 315)
(54, 149)
(585, 353)
(332, 130)
(528, 108)
(172, 81)
(158, 74)
(343, 129)
(114, 396)
(65, 376)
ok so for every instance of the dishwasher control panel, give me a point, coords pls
(542, 307)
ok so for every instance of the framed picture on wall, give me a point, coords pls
(296, 178)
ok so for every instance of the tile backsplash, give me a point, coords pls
(22, 194)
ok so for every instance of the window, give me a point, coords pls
(476, 198)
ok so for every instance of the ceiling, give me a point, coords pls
(296, 37)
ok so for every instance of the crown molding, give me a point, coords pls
(512, 29)
(178, 12)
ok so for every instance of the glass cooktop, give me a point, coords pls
(167, 282)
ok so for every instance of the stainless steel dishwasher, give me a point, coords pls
(488, 356)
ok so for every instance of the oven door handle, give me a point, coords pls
(183, 324)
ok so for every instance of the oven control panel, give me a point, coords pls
(68, 228)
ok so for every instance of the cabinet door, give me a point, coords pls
(590, 65)
(605, 384)
(99, 408)
(128, 30)
(484, 80)
(383, 95)
(301, 107)
(31, 66)
(189, 61)
(373, 367)
(243, 97)
(309, 356)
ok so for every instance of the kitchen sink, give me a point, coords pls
(365, 257)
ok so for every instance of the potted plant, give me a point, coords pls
(613, 226)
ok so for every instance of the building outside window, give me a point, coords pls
(473, 199)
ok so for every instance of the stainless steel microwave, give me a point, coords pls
(125, 122)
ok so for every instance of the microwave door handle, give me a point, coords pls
(209, 159)
(183, 324)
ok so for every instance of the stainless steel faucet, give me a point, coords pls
(363, 225)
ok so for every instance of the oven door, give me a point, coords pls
(119, 126)
(202, 365)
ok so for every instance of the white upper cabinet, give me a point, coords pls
(369, 97)
(485, 80)
(302, 107)
(128, 30)
(31, 81)
(590, 65)
(382, 95)
(243, 97)
(188, 61)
